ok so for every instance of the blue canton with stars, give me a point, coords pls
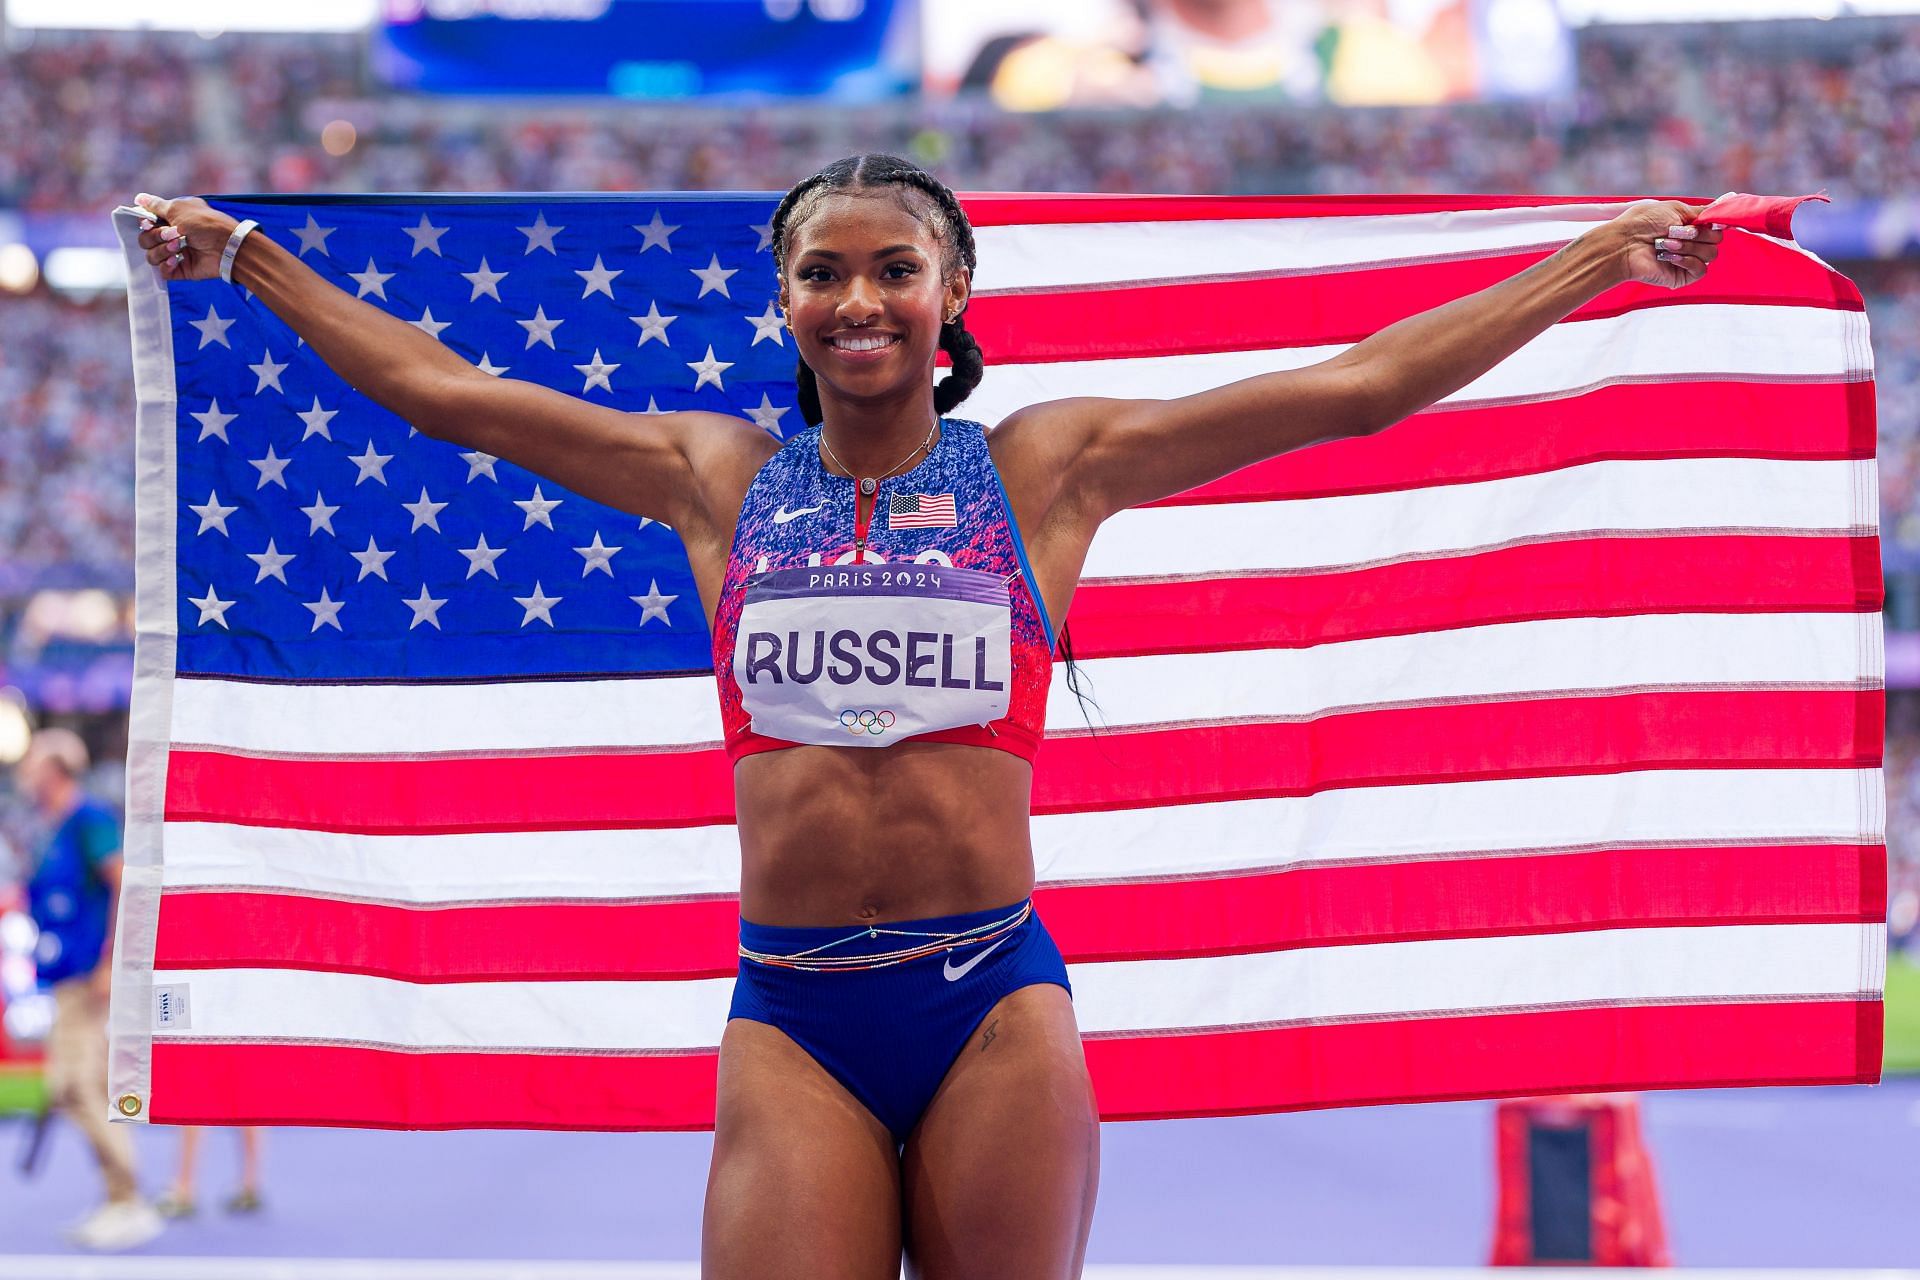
(320, 538)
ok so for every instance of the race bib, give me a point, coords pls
(865, 655)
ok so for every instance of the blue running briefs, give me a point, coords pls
(890, 1034)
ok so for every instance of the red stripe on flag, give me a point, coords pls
(1794, 421)
(1434, 1059)
(1163, 919)
(1347, 304)
(1014, 208)
(1761, 729)
(366, 1088)
(1112, 770)
(1577, 577)
(1135, 1077)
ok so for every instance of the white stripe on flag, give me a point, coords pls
(1661, 495)
(1347, 825)
(1378, 980)
(1634, 651)
(1683, 342)
(1025, 257)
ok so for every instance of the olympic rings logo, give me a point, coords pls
(866, 722)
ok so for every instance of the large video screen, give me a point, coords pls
(1119, 53)
(842, 50)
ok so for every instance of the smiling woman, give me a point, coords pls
(902, 1070)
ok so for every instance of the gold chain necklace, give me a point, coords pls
(870, 483)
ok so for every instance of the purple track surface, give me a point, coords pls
(1825, 1177)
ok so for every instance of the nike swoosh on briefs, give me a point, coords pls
(783, 515)
(954, 975)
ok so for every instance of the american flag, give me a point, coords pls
(921, 511)
(1530, 746)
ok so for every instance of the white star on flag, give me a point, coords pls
(326, 612)
(709, 370)
(538, 509)
(598, 556)
(425, 236)
(371, 281)
(598, 373)
(212, 608)
(272, 469)
(766, 415)
(213, 422)
(540, 235)
(425, 609)
(479, 463)
(653, 604)
(424, 512)
(655, 234)
(373, 560)
(484, 281)
(540, 329)
(598, 278)
(487, 366)
(428, 325)
(313, 236)
(212, 514)
(653, 405)
(653, 325)
(319, 515)
(765, 231)
(480, 558)
(317, 419)
(273, 564)
(269, 374)
(538, 605)
(768, 324)
(714, 276)
(212, 329)
(370, 464)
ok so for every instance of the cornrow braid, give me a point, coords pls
(950, 226)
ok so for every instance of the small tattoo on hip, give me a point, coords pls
(986, 1037)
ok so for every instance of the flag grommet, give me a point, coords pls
(129, 1104)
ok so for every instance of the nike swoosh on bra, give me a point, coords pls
(783, 515)
(955, 974)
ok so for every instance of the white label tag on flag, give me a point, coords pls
(867, 654)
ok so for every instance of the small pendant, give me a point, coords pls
(868, 484)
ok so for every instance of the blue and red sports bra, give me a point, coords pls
(937, 634)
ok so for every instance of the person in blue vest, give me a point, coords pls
(72, 895)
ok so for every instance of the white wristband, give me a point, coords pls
(233, 247)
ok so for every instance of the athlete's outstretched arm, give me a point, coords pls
(656, 465)
(1112, 454)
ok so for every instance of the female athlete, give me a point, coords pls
(902, 1070)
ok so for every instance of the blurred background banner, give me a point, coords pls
(836, 50)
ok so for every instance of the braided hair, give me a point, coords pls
(940, 209)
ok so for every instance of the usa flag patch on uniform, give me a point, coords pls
(921, 511)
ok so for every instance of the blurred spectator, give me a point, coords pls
(179, 1201)
(73, 896)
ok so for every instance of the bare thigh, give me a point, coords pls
(805, 1181)
(999, 1176)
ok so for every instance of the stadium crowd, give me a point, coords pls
(97, 116)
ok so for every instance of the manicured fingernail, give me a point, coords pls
(169, 233)
(1668, 257)
(1666, 245)
(1683, 233)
